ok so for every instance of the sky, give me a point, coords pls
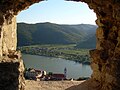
(58, 11)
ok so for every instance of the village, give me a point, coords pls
(68, 52)
(41, 75)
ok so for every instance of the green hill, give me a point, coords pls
(90, 43)
(49, 33)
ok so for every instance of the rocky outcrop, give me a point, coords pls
(105, 58)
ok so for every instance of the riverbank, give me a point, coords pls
(50, 85)
(67, 52)
(55, 65)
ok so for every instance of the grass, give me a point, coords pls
(53, 45)
(68, 49)
(68, 52)
(77, 52)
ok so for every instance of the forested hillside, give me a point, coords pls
(49, 33)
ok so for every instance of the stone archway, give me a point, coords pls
(105, 58)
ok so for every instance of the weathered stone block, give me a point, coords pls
(9, 41)
(100, 33)
(11, 75)
(11, 72)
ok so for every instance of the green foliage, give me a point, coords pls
(89, 43)
(68, 52)
(48, 33)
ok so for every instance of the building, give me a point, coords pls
(58, 77)
(34, 74)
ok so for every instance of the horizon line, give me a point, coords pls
(58, 23)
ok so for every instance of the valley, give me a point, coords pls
(69, 42)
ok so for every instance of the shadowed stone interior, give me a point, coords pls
(105, 59)
(11, 64)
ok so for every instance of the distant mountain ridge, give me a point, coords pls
(50, 33)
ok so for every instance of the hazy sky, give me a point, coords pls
(58, 11)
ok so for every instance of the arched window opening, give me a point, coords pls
(61, 31)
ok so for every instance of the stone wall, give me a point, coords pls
(9, 40)
(11, 64)
(8, 11)
(11, 72)
(105, 59)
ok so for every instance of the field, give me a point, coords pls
(68, 52)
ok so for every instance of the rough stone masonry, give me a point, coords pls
(11, 64)
(105, 59)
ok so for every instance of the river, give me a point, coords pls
(57, 65)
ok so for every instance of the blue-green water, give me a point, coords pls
(57, 65)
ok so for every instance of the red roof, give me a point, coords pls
(59, 75)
